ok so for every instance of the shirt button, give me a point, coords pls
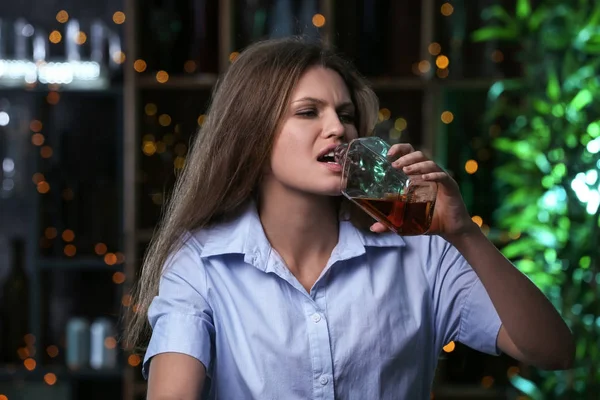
(324, 380)
(316, 318)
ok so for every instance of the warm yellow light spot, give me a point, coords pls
(23, 353)
(119, 17)
(55, 37)
(447, 117)
(190, 66)
(35, 125)
(29, 364)
(512, 371)
(514, 235)
(81, 38)
(485, 229)
(477, 219)
(52, 351)
(179, 162)
(29, 339)
(119, 57)
(149, 148)
(161, 147)
(318, 20)
(62, 16)
(38, 177)
(43, 187)
(487, 382)
(449, 347)
(400, 124)
(497, 56)
(134, 360)
(70, 250)
(162, 76)
(233, 56)
(394, 134)
(384, 114)
(442, 73)
(201, 120)
(68, 235)
(100, 249)
(37, 139)
(118, 278)
(110, 342)
(434, 48)
(442, 62)
(424, 66)
(164, 120)
(110, 259)
(53, 98)
(50, 378)
(3, 397)
(46, 152)
(126, 300)
(447, 9)
(150, 109)
(157, 198)
(139, 65)
(471, 166)
(50, 232)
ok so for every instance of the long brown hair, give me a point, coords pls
(227, 156)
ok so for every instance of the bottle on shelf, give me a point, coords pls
(14, 320)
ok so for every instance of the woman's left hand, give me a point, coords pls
(450, 217)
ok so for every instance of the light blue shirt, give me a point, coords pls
(372, 326)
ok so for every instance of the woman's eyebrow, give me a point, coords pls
(322, 102)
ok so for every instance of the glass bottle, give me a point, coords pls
(404, 204)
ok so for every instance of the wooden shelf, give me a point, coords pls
(205, 82)
(180, 82)
(87, 263)
(61, 372)
(463, 392)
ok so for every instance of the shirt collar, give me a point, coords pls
(245, 235)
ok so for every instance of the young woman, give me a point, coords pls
(259, 286)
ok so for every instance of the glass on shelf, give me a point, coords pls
(81, 48)
(256, 20)
(76, 145)
(381, 37)
(72, 302)
(178, 37)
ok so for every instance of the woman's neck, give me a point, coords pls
(302, 228)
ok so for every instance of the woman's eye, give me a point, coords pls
(307, 113)
(347, 118)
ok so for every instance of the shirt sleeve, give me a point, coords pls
(463, 309)
(180, 316)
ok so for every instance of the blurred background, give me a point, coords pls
(99, 100)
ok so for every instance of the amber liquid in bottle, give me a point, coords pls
(399, 214)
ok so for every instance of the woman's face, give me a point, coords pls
(319, 116)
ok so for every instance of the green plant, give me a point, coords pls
(549, 171)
